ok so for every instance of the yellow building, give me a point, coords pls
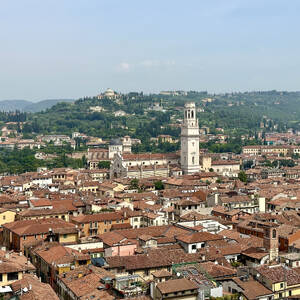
(180, 289)
(99, 223)
(53, 259)
(13, 266)
(34, 214)
(6, 216)
(281, 280)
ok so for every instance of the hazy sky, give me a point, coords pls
(75, 48)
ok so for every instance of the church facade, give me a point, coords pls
(164, 164)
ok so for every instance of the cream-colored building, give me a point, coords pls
(6, 216)
(227, 168)
(109, 94)
(142, 165)
(205, 163)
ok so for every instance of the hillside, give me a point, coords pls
(238, 113)
(44, 104)
(235, 114)
(29, 106)
(13, 105)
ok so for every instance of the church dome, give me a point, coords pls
(109, 92)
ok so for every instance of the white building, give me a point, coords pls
(190, 140)
(115, 146)
(119, 145)
(109, 94)
(142, 165)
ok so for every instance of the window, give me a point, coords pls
(35, 236)
(280, 295)
(193, 160)
(12, 276)
(24, 237)
(281, 285)
(65, 236)
(146, 272)
(3, 217)
(194, 247)
(290, 293)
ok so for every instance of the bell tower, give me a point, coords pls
(270, 242)
(189, 156)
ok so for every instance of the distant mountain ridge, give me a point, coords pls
(29, 106)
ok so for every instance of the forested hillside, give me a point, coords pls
(238, 113)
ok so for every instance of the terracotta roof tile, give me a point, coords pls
(176, 285)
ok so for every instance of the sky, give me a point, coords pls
(75, 48)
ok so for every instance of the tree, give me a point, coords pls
(219, 180)
(134, 184)
(84, 161)
(159, 185)
(104, 164)
(242, 176)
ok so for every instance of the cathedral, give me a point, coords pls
(164, 164)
